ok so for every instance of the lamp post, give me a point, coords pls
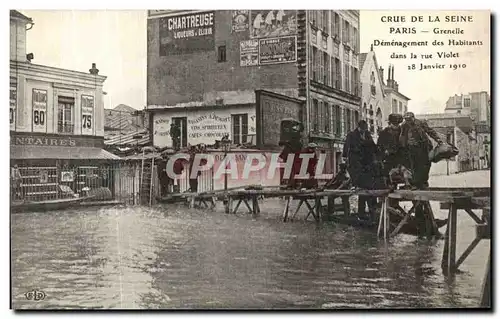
(226, 146)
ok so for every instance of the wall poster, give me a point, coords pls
(277, 50)
(240, 20)
(272, 23)
(87, 104)
(12, 111)
(187, 33)
(249, 53)
(39, 98)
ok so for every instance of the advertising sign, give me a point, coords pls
(271, 108)
(240, 20)
(272, 23)
(87, 114)
(12, 111)
(277, 50)
(249, 53)
(187, 33)
(39, 110)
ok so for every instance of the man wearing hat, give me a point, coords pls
(389, 149)
(360, 154)
(415, 139)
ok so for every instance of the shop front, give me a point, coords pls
(51, 166)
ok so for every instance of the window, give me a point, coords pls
(325, 20)
(346, 78)
(319, 19)
(394, 106)
(13, 103)
(373, 88)
(315, 63)
(351, 36)
(311, 62)
(348, 120)
(345, 32)
(355, 39)
(354, 81)
(356, 117)
(65, 115)
(400, 107)
(466, 102)
(328, 118)
(338, 75)
(338, 120)
(335, 25)
(221, 53)
(321, 67)
(326, 68)
(240, 128)
(181, 122)
(315, 115)
(450, 138)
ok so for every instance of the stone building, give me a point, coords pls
(204, 67)
(372, 92)
(475, 104)
(56, 118)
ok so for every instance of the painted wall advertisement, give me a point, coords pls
(249, 53)
(240, 20)
(87, 114)
(12, 111)
(273, 23)
(187, 33)
(277, 50)
(202, 127)
(39, 110)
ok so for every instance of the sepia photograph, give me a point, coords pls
(167, 159)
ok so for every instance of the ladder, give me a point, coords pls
(147, 180)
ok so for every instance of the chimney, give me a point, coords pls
(389, 80)
(393, 72)
(94, 70)
(371, 47)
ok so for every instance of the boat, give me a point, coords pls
(46, 205)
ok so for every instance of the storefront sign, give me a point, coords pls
(271, 109)
(54, 140)
(249, 53)
(39, 98)
(87, 104)
(12, 111)
(240, 20)
(209, 127)
(187, 33)
(277, 50)
(273, 23)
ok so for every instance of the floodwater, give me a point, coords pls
(174, 257)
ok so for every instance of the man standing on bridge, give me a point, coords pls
(415, 139)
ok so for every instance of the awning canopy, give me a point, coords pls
(63, 153)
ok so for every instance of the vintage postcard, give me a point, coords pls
(250, 159)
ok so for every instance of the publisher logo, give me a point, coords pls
(35, 295)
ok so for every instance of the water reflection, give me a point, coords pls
(158, 258)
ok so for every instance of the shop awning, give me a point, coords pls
(63, 153)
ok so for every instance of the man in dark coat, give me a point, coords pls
(360, 154)
(415, 139)
(391, 154)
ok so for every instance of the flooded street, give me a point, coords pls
(174, 257)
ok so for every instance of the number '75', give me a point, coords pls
(87, 121)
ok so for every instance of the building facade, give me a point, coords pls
(475, 104)
(205, 66)
(372, 92)
(56, 115)
(395, 102)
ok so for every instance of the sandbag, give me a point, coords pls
(442, 151)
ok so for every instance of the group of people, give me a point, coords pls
(402, 147)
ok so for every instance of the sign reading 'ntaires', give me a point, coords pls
(187, 33)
